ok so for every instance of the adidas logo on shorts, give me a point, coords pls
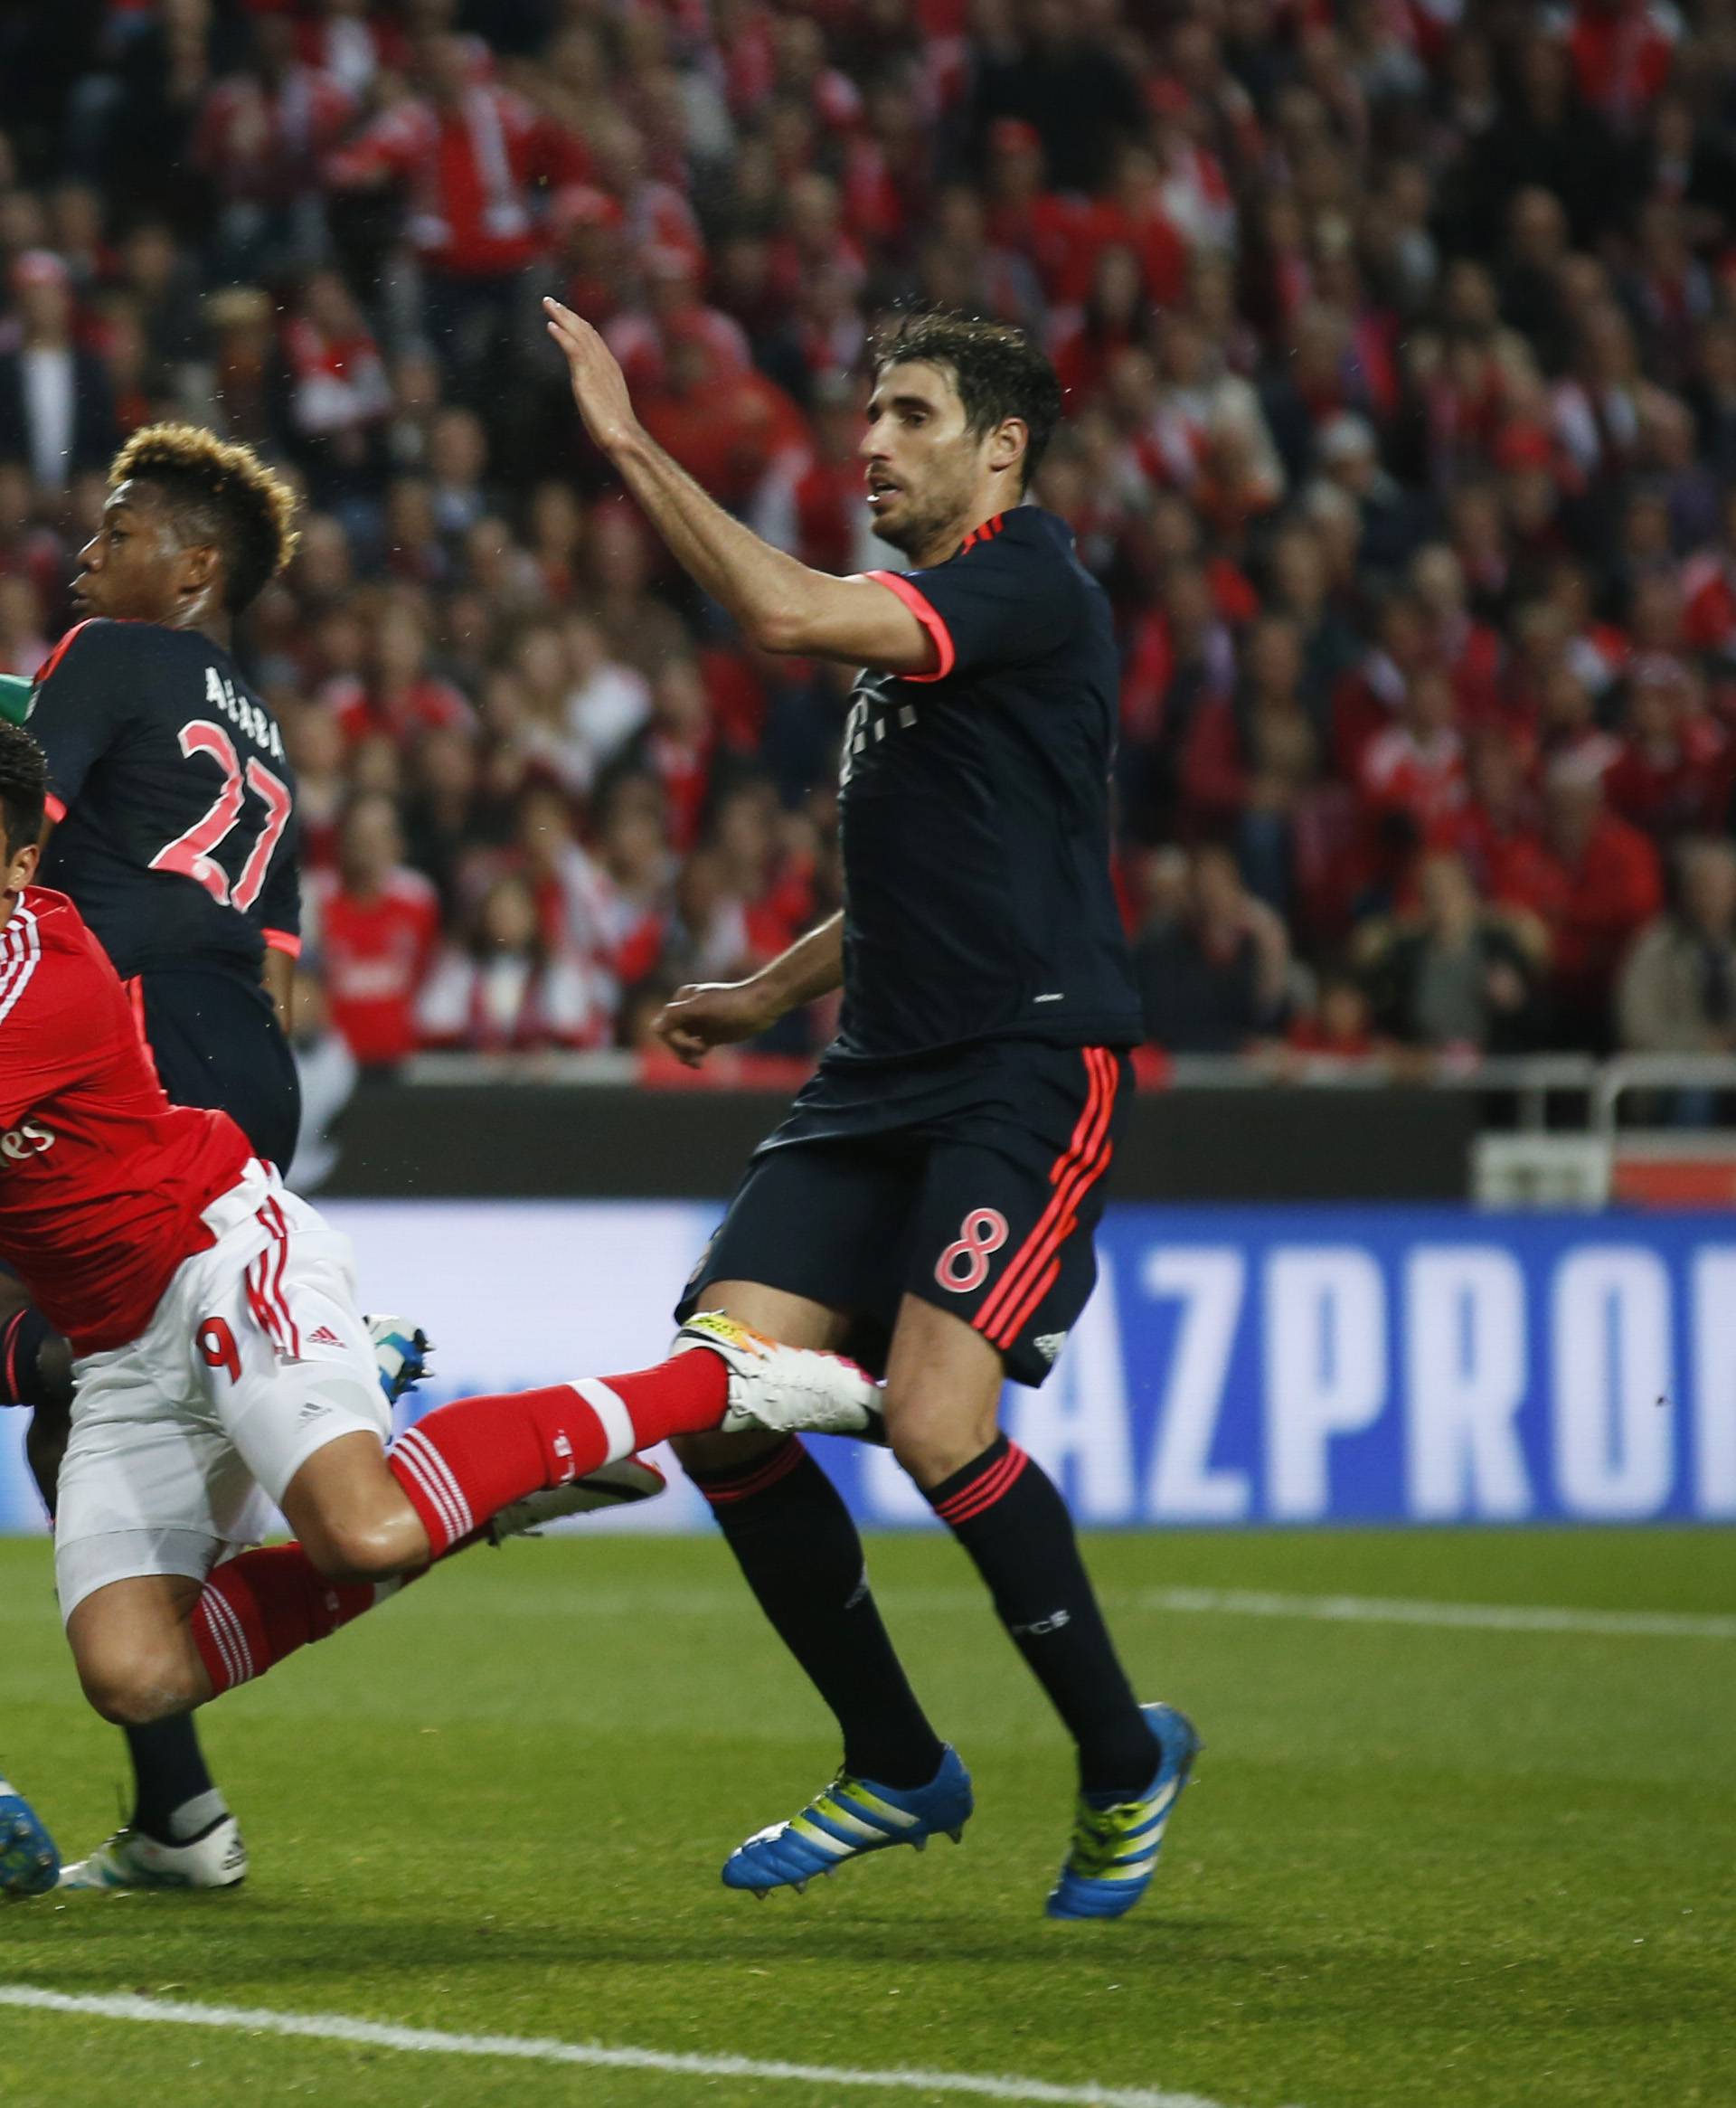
(324, 1337)
(1049, 1345)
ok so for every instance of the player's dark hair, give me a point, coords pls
(996, 369)
(219, 492)
(23, 787)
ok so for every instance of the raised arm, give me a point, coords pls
(780, 603)
(710, 1013)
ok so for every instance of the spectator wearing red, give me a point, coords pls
(673, 311)
(1534, 512)
(1250, 759)
(468, 155)
(1416, 767)
(802, 72)
(1622, 52)
(1470, 650)
(675, 747)
(351, 44)
(633, 851)
(402, 699)
(1209, 91)
(319, 750)
(588, 256)
(655, 212)
(812, 237)
(1130, 216)
(263, 136)
(1494, 833)
(1598, 649)
(1671, 775)
(1597, 881)
(1709, 589)
(1338, 1024)
(1180, 658)
(379, 923)
(888, 163)
(1114, 315)
(729, 429)
(811, 504)
(340, 392)
(1567, 725)
(1042, 225)
(775, 889)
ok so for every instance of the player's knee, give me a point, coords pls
(355, 1548)
(135, 1689)
(719, 1452)
(932, 1439)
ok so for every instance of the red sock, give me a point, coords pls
(464, 1463)
(261, 1606)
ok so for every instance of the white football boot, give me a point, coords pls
(130, 1859)
(628, 1480)
(785, 1390)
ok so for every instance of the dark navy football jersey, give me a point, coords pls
(976, 811)
(174, 803)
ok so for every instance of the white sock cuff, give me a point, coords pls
(612, 1414)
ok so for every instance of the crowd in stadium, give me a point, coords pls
(1399, 345)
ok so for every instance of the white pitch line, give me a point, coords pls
(1380, 1610)
(652, 1600)
(536, 2049)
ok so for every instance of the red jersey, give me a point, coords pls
(103, 1183)
(377, 954)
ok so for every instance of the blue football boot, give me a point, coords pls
(29, 1864)
(852, 1818)
(1114, 1851)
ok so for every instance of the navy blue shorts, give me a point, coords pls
(216, 1042)
(973, 1179)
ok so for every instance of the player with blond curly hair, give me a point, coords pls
(174, 833)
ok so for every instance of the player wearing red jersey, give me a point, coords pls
(222, 1364)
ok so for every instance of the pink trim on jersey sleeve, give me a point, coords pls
(896, 581)
(284, 941)
(56, 807)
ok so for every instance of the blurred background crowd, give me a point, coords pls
(1399, 345)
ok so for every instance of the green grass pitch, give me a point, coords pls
(1451, 1868)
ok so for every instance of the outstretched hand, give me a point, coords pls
(598, 386)
(703, 1014)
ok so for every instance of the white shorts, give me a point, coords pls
(183, 1439)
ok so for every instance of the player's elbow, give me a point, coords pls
(782, 629)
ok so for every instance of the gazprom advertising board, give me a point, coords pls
(1235, 1366)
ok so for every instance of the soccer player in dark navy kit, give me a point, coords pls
(174, 833)
(929, 1204)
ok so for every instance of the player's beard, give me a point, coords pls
(919, 526)
(929, 521)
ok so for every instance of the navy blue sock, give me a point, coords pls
(169, 1772)
(795, 1542)
(1006, 1513)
